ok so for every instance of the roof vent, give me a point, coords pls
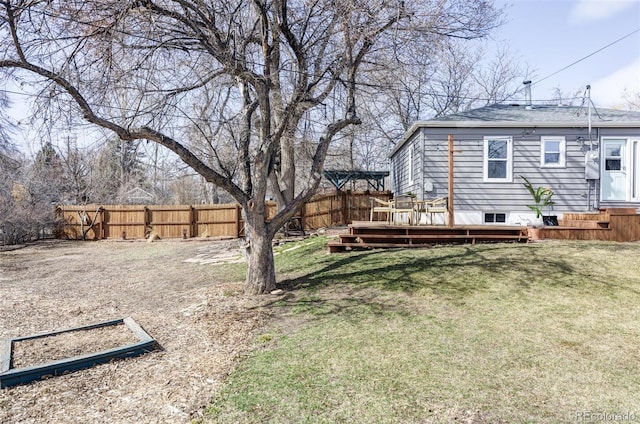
(527, 95)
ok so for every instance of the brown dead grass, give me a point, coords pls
(201, 322)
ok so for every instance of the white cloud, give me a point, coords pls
(609, 91)
(588, 11)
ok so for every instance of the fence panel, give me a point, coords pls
(217, 220)
(77, 220)
(136, 222)
(170, 221)
(321, 211)
(124, 221)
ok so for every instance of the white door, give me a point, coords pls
(614, 169)
(635, 170)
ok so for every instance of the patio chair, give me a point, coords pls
(403, 205)
(437, 206)
(381, 206)
(420, 210)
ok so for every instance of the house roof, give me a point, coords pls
(519, 115)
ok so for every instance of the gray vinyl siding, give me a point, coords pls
(526, 125)
(403, 181)
(472, 193)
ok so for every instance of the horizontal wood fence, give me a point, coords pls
(96, 222)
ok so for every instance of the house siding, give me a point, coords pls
(408, 178)
(472, 194)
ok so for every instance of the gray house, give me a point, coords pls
(590, 158)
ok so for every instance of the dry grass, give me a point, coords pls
(482, 334)
(197, 313)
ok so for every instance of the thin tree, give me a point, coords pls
(287, 61)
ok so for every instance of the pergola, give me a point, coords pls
(375, 179)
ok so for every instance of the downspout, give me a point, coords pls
(589, 115)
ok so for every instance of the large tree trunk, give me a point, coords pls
(261, 273)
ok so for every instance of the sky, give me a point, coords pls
(549, 35)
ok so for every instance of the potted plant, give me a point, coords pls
(541, 197)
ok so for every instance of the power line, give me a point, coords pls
(587, 56)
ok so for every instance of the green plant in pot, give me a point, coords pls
(541, 197)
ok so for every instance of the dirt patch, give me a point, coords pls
(39, 351)
(202, 324)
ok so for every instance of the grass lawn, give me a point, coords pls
(546, 332)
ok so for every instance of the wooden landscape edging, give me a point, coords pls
(98, 222)
(14, 376)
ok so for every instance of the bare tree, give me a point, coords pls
(6, 147)
(450, 77)
(632, 100)
(564, 98)
(77, 172)
(139, 68)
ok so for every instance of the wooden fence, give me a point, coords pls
(95, 222)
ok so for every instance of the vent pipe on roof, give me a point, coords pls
(527, 94)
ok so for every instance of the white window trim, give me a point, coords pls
(485, 160)
(563, 152)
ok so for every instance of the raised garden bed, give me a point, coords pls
(30, 358)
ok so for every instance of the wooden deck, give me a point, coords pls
(368, 235)
(620, 225)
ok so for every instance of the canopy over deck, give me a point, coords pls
(375, 179)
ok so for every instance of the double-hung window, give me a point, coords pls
(552, 152)
(498, 159)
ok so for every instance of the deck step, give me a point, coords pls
(576, 223)
(621, 211)
(376, 238)
(365, 238)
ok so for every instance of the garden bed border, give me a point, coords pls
(13, 376)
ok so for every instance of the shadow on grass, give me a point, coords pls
(381, 280)
(373, 281)
(450, 270)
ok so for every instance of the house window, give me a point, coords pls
(613, 157)
(498, 156)
(497, 218)
(553, 152)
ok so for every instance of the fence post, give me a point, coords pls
(237, 223)
(192, 222)
(101, 226)
(343, 208)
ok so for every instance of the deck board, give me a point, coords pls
(610, 225)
